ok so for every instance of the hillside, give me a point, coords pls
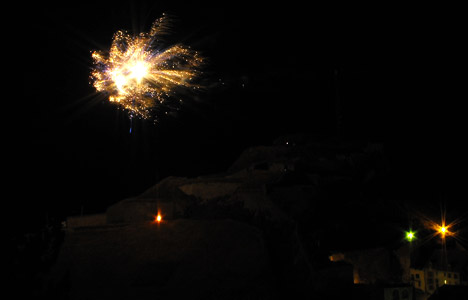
(260, 230)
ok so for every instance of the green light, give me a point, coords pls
(410, 236)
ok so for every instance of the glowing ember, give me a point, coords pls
(138, 76)
(158, 218)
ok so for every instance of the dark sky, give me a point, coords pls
(270, 70)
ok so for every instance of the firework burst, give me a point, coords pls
(138, 75)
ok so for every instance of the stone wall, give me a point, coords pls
(86, 221)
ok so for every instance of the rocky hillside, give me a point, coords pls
(261, 230)
(219, 259)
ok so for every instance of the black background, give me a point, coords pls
(270, 70)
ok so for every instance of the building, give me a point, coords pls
(430, 278)
(401, 292)
(442, 268)
(381, 292)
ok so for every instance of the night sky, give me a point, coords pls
(270, 71)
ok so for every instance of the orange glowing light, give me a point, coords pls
(158, 218)
(443, 230)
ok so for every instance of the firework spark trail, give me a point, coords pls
(138, 76)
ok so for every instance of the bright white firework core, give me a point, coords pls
(138, 71)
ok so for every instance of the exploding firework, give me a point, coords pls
(138, 75)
